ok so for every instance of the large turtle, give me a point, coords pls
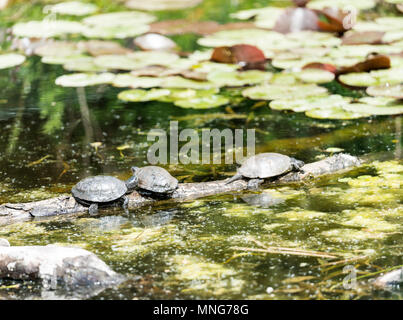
(153, 180)
(102, 190)
(265, 165)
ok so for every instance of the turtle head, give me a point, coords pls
(132, 182)
(297, 164)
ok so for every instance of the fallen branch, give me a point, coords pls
(11, 212)
(289, 251)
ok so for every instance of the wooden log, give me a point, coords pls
(11, 212)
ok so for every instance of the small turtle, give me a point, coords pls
(265, 165)
(154, 180)
(102, 190)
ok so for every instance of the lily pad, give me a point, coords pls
(336, 113)
(207, 102)
(115, 32)
(358, 79)
(179, 82)
(58, 49)
(315, 76)
(73, 8)
(46, 29)
(394, 91)
(84, 79)
(274, 91)
(158, 5)
(302, 105)
(238, 78)
(10, 60)
(85, 64)
(358, 4)
(102, 47)
(139, 95)
(388, 109)
(122, 18)
(128, 80)
(63, 59)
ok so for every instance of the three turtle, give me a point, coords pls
(157, 182)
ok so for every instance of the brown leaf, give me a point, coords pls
(296, 19)
(365, 37)
(248, 56)
(323, 66)
(101, 47)
(331, 20)
(300, 3)
(373, 62)
(399, 7)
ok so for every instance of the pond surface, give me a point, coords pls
(193, 250)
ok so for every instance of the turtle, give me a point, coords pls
(265, 165)
(154, 181)
(102, 190)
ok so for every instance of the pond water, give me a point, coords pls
(192, 249)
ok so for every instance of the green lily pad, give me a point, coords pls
(138, 95)
(10, 60)
(157, 5)
(58, 49)
(358, 4)
(243, 36)
(388, 109)
(63, 59)
(46, 29)
(335, 113)
(84, 79)
(238, 78)
(179, 82)
(207, 102)
(123, 18)
(358, 79)
(115, 32)
(274, 91)
(128, 80)
(85, 64)
(315, 76)
(184, 94)
(136, 60)
(73, 8)
(302, 105)
(394, 91)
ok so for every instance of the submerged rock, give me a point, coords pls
(74, 269)
(390, 281)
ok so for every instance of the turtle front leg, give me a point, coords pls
(297, 165)
(93, 209)
(254, 184)
(125, 204)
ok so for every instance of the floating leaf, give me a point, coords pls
(358, 4)
(305, 104)
(58, 49)
(10, 60)
(378, 77)
(85, 64)
(245, 55)
(394, 91)
(208, 102)
(374, 62)
(358, 79)
(122, 18)
(46, 29)
(102, 47)
(73, 8)
(115, 32)
(313, 75)
(154, 41)
(157, 5)
(179, 82)
(139, 95)
(388, 109)
(84, 79)
(273, 91)
(365, 37)
(63, 59)
(238, 78)
(185, 94)
(335, 113)
(129, 80)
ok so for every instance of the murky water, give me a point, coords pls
(200, 249)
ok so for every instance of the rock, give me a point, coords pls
(72, 268)
(4, 243)
(390, 281)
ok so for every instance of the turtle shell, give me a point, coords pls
(156, 179)
(99, 189)
(265, 165)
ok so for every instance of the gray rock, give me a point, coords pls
(390, 281)
(4, 243)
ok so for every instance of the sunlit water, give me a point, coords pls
(192, 249)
